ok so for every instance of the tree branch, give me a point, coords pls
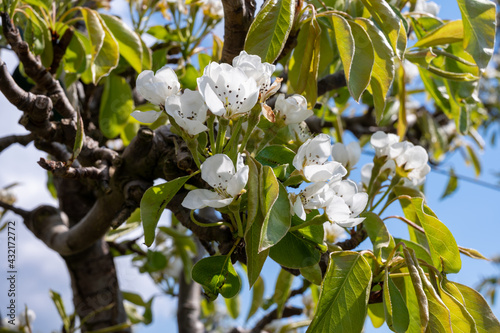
(35, 70)
(11, 139)
(238, 16)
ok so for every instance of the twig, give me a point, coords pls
(288, 311)
(356, 238)
(21, 212)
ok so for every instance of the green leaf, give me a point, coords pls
(479, 21)
(217, 275)
(270, 29)
(421, 57)
(447, 33)
(421, 252)
(253, 187)
(58, 302)
(156, 261)
(233, 306)
(312, 273)
(275, 208)
(461, 320)
(154, 201)
(74, 59)
(382, 241)
(275, 155)
(440, 241)
(476, 305)
(104, 47)
(133, 298)
(344, 295)
(376, 314)
(416, 293)
(282, 290)
(362, 61)
(475, 160)
(255, 259)
(42, 33)
(117, 104)
(396, 312)
(383, 67)
(387, 20)
(79, 137)
(439, 314)
(303, 73)
(475, 254)
(294, 251)
(452, 184)
(257, 297)
(129, 43)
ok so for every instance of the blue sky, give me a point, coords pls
(471, 214)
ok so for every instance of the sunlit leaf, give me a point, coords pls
(217, 276)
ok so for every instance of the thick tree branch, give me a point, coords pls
(330, 82)
(288, 311)
(35, 70)
(11, 139)
(238, 16)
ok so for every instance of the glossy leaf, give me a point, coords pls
(233, 306)
(298, 249)
(382, 241)
(275, 155)
(479, 21)
(461, 320)
(383, 67)
(153, 203)
(116, 105)
(362, 61)
(476, 305)
(452, 185)
(270, 29)
(447, 33)
(217, 276)
(104, 47)
(344, 296)
(42, 36)
(312, 273)
(74, 59)
(257, 297)
(345, 43)
(376, 314)
(396, 312)
(475, 254)
(387, 20)
(130, 45)
(420, 297)
(440, 242)
(420, 252)
(282, 290)
(79, 138)
(275, 208)
(255, 258)
(303, 73)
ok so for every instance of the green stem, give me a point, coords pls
(317, 220)
(234, 207)
(221, 135)
(268, 137)
(394, 182)
(232, 146)
(216, 224)
(253, 120)
(192, 144)
(211, 136)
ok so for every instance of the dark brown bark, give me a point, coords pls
(238, 16)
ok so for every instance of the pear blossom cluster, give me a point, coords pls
(338, 197)
(224, 90)
(411, 159)
(226, 180)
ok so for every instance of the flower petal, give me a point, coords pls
(217, 171)
(337, 210)
(146, 117)
(238, 181)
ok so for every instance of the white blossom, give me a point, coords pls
(213, 8)
(300, 132)
(146, 117)
(427, 7)
(382, 142)
(293, 109)
(314, 196)
(261, 72)
(219, 172)
(189, 111)
(157, 87)
(31, 316)
(228, 91)
(333, 232)
(348, 155)
(347, 204)
(312, 159)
